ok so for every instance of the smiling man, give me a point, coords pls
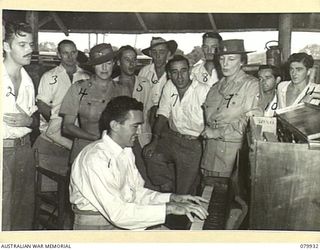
(106, 189)
(180, 105)
(18, 120)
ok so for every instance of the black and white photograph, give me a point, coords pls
(160, 121)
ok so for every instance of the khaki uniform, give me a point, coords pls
(227, 107)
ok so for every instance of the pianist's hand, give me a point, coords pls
(186, 208)
(187, 198)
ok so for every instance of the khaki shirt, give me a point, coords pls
(228, 105)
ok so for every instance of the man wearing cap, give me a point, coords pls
(86, 99)
(208, 71)
(228, 105)
(160, 50)
(19, 118)
(180, 105)
(53, 86)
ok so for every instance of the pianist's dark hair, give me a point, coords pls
(16, 29)
(117, 110)
(302, 57)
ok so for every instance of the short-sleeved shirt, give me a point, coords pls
(228, 104)
(53, 86)
(200, 73)
(79, 100)
(185, 115)
(25, 100)
(156, 85)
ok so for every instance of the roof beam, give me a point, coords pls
(142, 23)
(212, 22)
(45, 20)
(60, 23)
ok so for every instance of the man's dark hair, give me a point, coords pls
(176, 58)
(117, 110)
(302, 57)
(16, 29)
(274, 70)
(124, 48)
(65, 41)
(214, 35)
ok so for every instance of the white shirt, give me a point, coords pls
(156, 85)
(104, 178)
(53, 86)
(282, 93)
(25, 100)
(186, 115)
(200, 73)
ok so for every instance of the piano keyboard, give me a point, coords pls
(206, 194)
(218, 208)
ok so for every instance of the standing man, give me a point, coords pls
(180, 104)
(18, 120)
(160, 50)
(269, 78)
(53, 86)
(106, 189)
(208, 71)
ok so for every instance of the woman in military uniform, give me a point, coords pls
(86, 99)
(226, 110)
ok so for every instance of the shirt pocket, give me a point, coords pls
(91, 108)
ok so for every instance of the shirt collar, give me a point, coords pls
(111, 144)
(60, 68)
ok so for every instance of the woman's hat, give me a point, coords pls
(232, 46)
(172, 45)
(100, 53)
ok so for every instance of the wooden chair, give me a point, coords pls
(50, 203)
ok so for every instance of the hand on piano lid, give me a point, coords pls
(186, 208)
(187, 198)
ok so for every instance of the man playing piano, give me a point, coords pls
(106, 189)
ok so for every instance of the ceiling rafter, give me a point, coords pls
(142, 23)
(60, 23)
(212, 22)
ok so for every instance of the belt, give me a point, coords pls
(11, 143)
(187, 137)
(84, 212)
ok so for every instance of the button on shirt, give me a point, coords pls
(25, 100)
(53, 86)
(156, 85)
(104, 178)
(228, 105)
(186, 115)
(200, 73)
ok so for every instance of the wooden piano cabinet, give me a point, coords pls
(285, 184)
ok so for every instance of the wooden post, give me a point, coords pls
(33, 20)
(285, 28)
